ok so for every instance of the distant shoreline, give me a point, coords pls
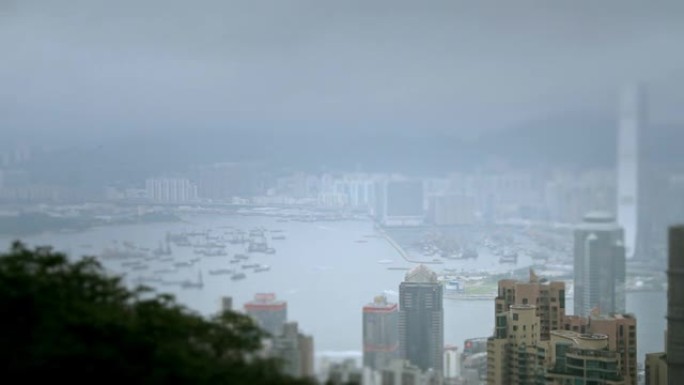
(28, 224)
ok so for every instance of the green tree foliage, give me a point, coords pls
(64, 320)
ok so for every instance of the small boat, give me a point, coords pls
(278, 237)
(250, 266)
(220, 271)
(182, 264)
(241, 256)
(270, 250)
(262, 268)
(238, 276)
(234, 261)
(139, 267)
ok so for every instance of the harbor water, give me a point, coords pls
(326, 271)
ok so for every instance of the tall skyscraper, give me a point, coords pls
(600, 268)
(675, 306)
(380, 333)
(629, 173)
(268, 312)
(421, 319)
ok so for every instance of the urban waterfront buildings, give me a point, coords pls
(599, 265)
(421, 319)
(403, 372)
(170, 190)
(400, 202)
(380, 333)
(269, 313)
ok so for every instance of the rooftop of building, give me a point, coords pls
(380, 303)
(583, 340)
(421, 274)
(612, 316)
(265, 300)
(598, 220)
(599, 217)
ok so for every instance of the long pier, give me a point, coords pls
(401, 250)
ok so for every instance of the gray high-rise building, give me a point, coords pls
(421, 319)
(675, 307)
(629, 170)
(599, 253)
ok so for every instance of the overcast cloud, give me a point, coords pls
(89, 66)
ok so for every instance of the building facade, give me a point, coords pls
(534, 342)
(547, 297)
(599, 265)
(656, 369)
(380, 333)
(582, 359)
(512, 353)
(421, 319)
(295, 351)
(170, 190)
(269, 313)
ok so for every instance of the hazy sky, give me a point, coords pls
(97, 67)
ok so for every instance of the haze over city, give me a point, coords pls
(316, 166)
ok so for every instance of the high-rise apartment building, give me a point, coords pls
(582, 359)
(547, 297)
(599, 267)
(269, 313)
(512, 353)
(380, 333)
(534, 342)
(421, 319)
(622, 339)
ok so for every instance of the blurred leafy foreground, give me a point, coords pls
(68, 320)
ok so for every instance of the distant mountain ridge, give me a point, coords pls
(576, 142)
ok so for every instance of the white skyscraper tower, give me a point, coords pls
(632, 118)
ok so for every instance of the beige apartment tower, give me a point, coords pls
(535, 343)
(547, 297)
